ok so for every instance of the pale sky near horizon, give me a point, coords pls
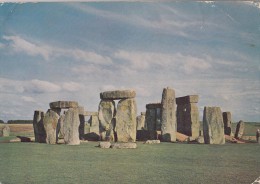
(74, 51)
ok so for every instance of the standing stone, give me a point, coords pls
(240, 129)
(71, 127)
(50, 122)
(140, 122)
(227, 122)
(213, 126)
(94, 124)
(188, 115)
(126, 120)
(150, 121)
(168, 118)
(106, 113)
(82, 122)
(61, 126)
(5, 132)
(39, 131)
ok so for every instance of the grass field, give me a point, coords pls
(162, 163)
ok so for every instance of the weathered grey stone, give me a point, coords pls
(63, 104)
(106, 113)
(57, 110)
(213, 126)
(188, 119)
(150, 121)
(71, 127)
(88, 113)
(168, 118)
(39, 131)
(5, 132)
(200, 140)
(117, 95)
(152, 142)
(60, 127)
(140, 122)
(142, 135)
(240, 129)
(104, 144)
(153, 105)
(126, 120)
(127, 145)
(227, 122)
(187, 99)
(94, 124)
(82, 122)
(50, 122)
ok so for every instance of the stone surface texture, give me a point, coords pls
(82, 122)
(117, 94)
(50, 122)
(88, 113)
(5, 131)
(213, 126)
(227, 122)
(94, 124)
(240, 129)
(140, 122)
(104, 144)
(38, 127)
(63, 104)
(71, 127)
(168, 118)
(150, 121)
(152, 142)
(106, 113)
(126, 145)
(60, 126)
(126, 120)
(187, 99)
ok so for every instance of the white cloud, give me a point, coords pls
(71, 86)
(39, 86)
(28, 99)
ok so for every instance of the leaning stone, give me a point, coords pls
(106, 113)
(39, 131)
(126, 120)
(168, 119)
(71, 127)
(88, 113)
(187, 99)
(152, 142)
(240, 129)
(50, 122)
(213, 126)
(227, 122)
(6, 131)
(117, 95)
(104, 144)
(128, 145)
(63, 104)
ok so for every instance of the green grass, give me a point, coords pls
(250, 128)
(162, 163)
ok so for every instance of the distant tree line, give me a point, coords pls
(19, 121)
(1, 121)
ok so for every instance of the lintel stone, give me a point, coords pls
(63, 104)
(88, 113)
(117, 94)
(187, 99)
(153, 105)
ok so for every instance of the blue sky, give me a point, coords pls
(74, 51)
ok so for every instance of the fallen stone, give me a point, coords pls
(39, 131)
(152, 142)
(181, 137)
(127, 145)
(106, 113)
(24, 139)
(168, 119)
(231, 139)
(200, 140)
(187, 99)
(83, 141)
(50, 122)
(71, 127)
(117, 95)
(104, 144)
(227, 122)
(126, 120)
(240, 129)
(213, 126)
(92, 137)
(63, 105)
(15, 140)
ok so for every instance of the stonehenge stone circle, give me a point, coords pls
(94, 124)
(60, 126)
(153, 119)
(140, 122)
(39, 131)
(227, 122)
(117, 95)
(124, 145)
(82, 122)
(213, 126)
(106, 113)
(126, 120)
(71, 127)
(50, 122)
(188, 115)
(240, 129)
(168, 117)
